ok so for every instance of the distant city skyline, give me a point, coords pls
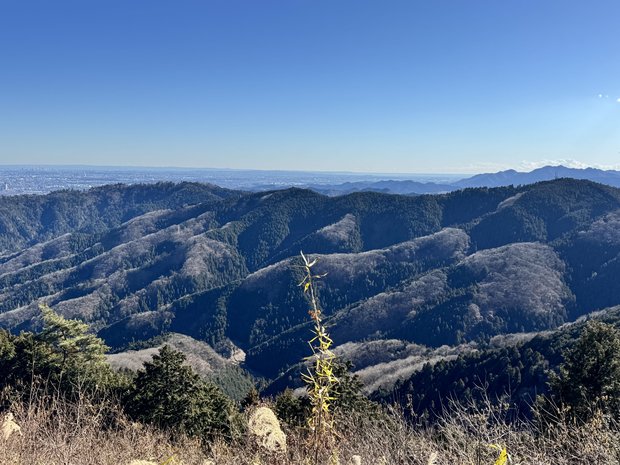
(335, 86)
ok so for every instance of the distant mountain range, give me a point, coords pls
(16, 180)
(546, 173)
(502, 178)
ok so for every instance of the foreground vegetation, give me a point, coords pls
(61, 404)
(67, 433)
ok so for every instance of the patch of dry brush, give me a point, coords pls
(82, 434)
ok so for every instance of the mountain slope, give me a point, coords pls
(221, 266)
(29, 219)
(515, 368)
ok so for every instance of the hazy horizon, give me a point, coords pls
(523, 167)
(207, 168)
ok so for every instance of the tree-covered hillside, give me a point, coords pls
(136, 262)
(518, 369)
(30, 219)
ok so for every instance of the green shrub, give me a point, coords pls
(171, 395)
(64, 358)
(589, 378)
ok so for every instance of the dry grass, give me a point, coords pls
(55, 432)
(59, 433)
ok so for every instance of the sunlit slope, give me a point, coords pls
(221, 266)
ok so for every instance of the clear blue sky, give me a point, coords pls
(383, 86)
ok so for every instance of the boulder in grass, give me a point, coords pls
(356, 460)
(9, 427)
(265, 428)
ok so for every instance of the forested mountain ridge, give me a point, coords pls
(29, 219)
(221, 266)
(517, 368)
